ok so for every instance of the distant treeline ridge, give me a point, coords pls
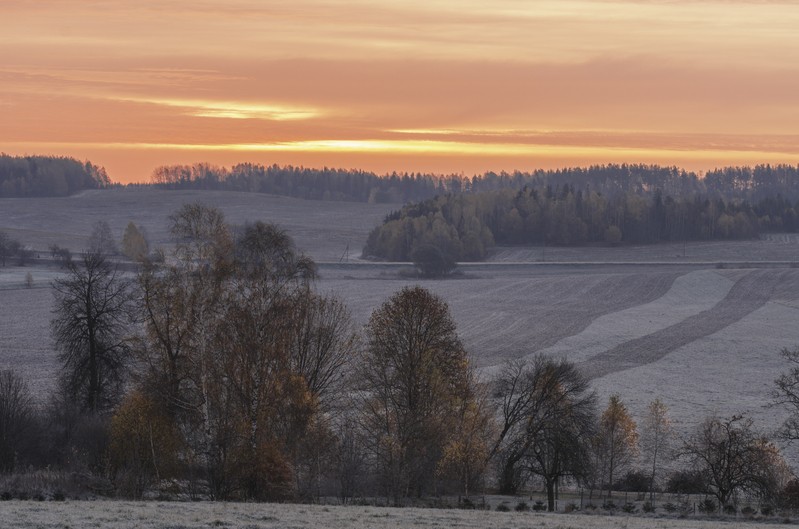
(43, 176)
(739, 183)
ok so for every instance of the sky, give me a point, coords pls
(444, 86)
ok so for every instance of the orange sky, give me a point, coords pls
(434, 85)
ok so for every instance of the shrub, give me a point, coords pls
(766, 510)
(749, 510)
(670, 507)
(503, 507)
(648, 507)
(522, 507)
(707, 506)
(686, 482)
(609, 506)
(466, 503)
(635, 481)
(730, 509)
(629, 508)
(571, 507)
(432, 261)
(539, 506)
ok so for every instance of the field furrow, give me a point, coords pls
(690, 294)
(748, 294)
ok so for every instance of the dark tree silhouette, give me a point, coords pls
(92, 313)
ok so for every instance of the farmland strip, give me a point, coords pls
(748, 294)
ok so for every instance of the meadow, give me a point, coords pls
(146, 515)
(643, 322)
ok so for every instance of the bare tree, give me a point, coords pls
(732, 457)
(548, 419)
(16, 419)
(323, 344)
(787, 394)
(91, 317)
(656, 436)
(102, 240)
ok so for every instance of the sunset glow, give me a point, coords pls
(441, 85)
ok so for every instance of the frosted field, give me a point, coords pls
(153, 515)
(323, 229)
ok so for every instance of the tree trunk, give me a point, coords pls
(550, 495)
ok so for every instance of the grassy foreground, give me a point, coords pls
(146, 515)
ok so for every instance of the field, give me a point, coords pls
(643, 322)
(124, 515)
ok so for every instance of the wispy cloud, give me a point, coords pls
(229, 109)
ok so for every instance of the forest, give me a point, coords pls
(219, 372)
(46, 176)
(465, 227)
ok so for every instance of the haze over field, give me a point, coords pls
(436, 86)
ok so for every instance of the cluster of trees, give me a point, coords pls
(222, 372)
(466, 226)
(41, 176)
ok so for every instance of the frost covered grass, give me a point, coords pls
(152, 515)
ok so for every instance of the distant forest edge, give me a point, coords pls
(47, 176)
(466, 226)
(730, 183)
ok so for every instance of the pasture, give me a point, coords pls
(703, 339)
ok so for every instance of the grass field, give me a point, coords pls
(703, 339)
(155, 515)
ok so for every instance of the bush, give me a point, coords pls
(539, 506)
(571, 507)
(730, 509)
(749, 510)
(766, 510)
(629, 508)
(686, 482)
(707, 506)
(609, 506)
(432, 261)
(635, 481)
(503, 507)
(522, 507)
(648, 507)
(670, 507)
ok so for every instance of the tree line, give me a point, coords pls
(48, 176)
(466, 226)
(731, 183)
(220, 372)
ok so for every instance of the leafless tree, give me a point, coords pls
(733, 457)
(91, 318)
(548, 416)
(656, 437)
(16, 419)
(787, 394)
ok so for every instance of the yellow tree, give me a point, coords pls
(616, 442)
